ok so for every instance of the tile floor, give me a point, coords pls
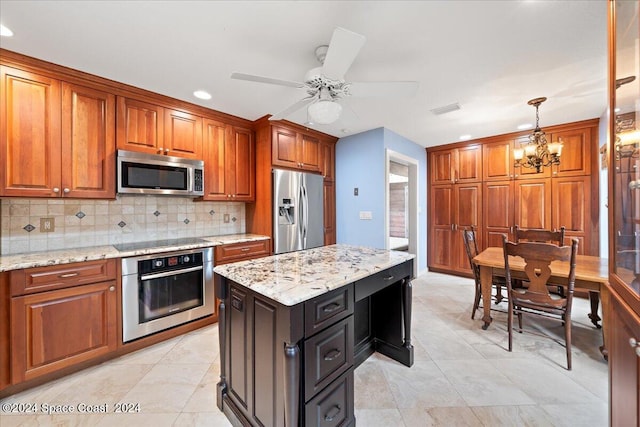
(462, 376)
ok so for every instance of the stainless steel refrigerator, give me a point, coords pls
(298, 211)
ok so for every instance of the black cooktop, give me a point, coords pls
(134, 246)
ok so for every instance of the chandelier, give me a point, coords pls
(537, 153)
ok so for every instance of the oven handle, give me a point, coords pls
(170, 273)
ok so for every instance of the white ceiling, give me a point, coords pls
(491, 57)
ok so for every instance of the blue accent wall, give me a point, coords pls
(360, 163)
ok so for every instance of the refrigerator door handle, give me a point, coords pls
(301, 213)
(305, 225)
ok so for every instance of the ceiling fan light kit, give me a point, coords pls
(326, 85)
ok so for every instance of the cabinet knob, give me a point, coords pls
(112, 288)
(228, 195)
(634, 344)
(56, 190)
(66, 190)
(166, 150)
(159, 150)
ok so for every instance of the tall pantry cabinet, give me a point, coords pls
(476, 183)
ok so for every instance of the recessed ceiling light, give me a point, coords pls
(5, 32)
(345, 130)
(202, 94)
(525, 126)
(464, 137)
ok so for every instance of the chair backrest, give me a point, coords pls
(471, 246)
(538, 258)
(541, 236)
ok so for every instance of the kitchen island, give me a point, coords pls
(293, 327)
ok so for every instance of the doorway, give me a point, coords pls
(401, 204)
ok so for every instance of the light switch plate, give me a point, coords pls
(366, 215)
(225, 218)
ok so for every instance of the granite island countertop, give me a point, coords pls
(66, 256)
(295, 277)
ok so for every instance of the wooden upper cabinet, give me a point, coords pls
(139, 126)
(229, 161)
(214, 148)
(88, 142)
(575, 158)
(533, 204)
(457, 165)
(241, 164)
(295, 150)
(329, 195)
(497, 211)
(30, 134)
(497, 159)
(57, 138)
(328, 160)
(182, 134)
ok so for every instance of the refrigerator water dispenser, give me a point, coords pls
(286, 213)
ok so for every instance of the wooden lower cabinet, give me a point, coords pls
(235, 252)
(57, 329)
(624, 364)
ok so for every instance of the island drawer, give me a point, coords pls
(40, 279)
(327, 355)
(334, 405)
(372, 284)
(327, 309)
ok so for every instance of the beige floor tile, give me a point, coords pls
(203, 398)
(202, 419)
(509, 416)
(439, 417)
(575, 415)
(371, 388)
(198, 348)
(378, 418)
(138, 420)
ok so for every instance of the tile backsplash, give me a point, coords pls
(129, 218)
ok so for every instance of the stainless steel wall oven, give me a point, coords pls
(160, 291)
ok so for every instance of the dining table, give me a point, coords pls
(591, 274)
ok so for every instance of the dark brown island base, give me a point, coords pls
(293, 327)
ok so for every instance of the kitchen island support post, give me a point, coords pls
(407, 293)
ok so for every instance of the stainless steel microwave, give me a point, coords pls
(140, 173)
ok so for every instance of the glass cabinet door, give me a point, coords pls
(625, 143)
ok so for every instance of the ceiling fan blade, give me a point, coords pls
(383, 89)
(343, 49)
(295, 107)
(260, 79)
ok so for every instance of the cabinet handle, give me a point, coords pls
(331, 307)
(329, 416)
(56, 190)
(244, 249)
(64, 276)
(112, 288)
(332, 355)
(166, 150)
(66, 190)
(635, 345)
(388, 278)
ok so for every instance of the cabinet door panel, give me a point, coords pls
(329, 213)
(497, 161)
(441, 205)
(88, 149)
(497, 212)
(182, 134)
(468, 213)
(242, 165)
(139, 126)
(328, 160)
(310, 153)
(533, 204)
(572, 209)
(469, 164)
(284, 147)
(214, 142)
(60, 328)
(30, 134)
(441, 166)
(576, 152)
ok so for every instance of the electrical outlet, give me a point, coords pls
(47, 225)
(355, 191)
(225, 218)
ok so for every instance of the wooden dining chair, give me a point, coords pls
(471, 246)
(536, 298)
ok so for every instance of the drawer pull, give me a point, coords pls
(329, 416)
(389, 278)
(330, 308)
(245, 249)
(64, 276)
(332, 355)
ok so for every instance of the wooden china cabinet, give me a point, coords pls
(623, 319)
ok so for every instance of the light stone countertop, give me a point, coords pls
(65, 256)
(295, 277)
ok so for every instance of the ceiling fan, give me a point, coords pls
(325, 85)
